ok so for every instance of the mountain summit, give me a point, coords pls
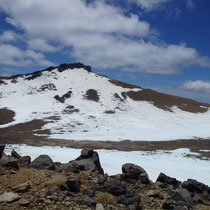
(73, 103)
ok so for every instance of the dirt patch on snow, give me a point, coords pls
(6, 116)
(123, 84)
(166, 101)
(18, 132)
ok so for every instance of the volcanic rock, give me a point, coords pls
(114, 188)
(43, 162)
(8, 197)
(132, 171)
(168, 180)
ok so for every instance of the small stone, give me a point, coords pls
(13, 171)
(85, 200)
(24, 202)
(22, 188)
(8, 197)
(154, 194)
(89, 192)
(99, 206)
(47, 201)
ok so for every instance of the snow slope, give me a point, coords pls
(61, 99)
(173, 163)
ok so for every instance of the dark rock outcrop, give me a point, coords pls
(131, 171)
(65, 66)
(43, 162)
(167, 180)
(89, 160)
(194, 186)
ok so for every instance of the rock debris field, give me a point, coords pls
(82, 184)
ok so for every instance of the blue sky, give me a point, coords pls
(157, 44)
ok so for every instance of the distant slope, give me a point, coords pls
(74, 103)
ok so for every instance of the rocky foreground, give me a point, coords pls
(82, 184)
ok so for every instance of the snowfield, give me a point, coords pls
(128, 120)
(173, 163)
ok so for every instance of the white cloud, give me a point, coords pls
(150, 4)
(190, 4)
(8, 36)
(197, 85)
(13, 56)
(41, 45)
(97, 34)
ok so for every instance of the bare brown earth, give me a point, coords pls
(26, 133)
(6, 116)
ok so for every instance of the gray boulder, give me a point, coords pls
(43, 162)
(9, 162)
(89, 161)
(8, 197)
(182, 194)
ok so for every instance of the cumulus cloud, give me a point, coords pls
(96, 34)
(150, 4)
(197, 85)
(41, 45)
(8, 36)
(13, 56)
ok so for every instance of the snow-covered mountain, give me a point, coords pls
(76, 104)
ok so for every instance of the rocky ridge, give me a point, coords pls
(82, 184)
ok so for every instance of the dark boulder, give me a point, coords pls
(1, 150)
(89, 161)
(131, 171)
(114, 188)
(72, 185)
(194, 186)
(43, 162)
(168, 180)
